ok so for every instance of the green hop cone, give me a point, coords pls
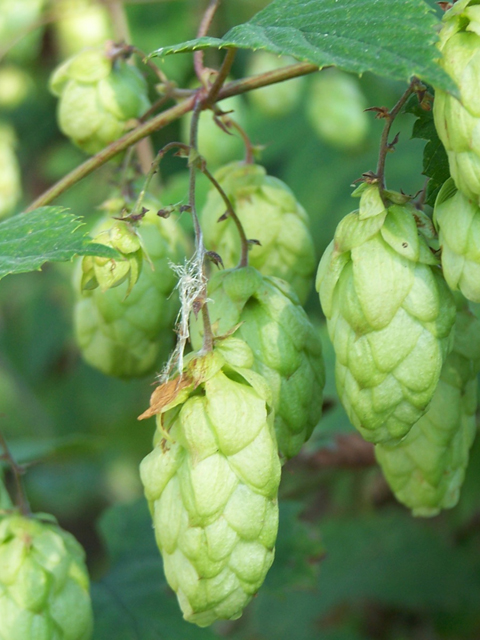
(212, 480)
(269, 214)
(82, 23)
(98, 95)
(124, 333)
(278, 99)
(426, 470)
(457, 219)
(389, 314)
(286, 348)
(44, 584)
(10, 187)
(336, 109)
(458, 123)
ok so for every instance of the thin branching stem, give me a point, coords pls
(205, 23)
(17, 470)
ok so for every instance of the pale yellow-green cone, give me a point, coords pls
(10, 187)
(286, 348)
(336, 109)
(457, 219)
(124, 334)
(81, 24)
(426, 470)
(270, 214)
(99, 98)
(44, 584)
(212, 481)
(458, 123)
(389, 314)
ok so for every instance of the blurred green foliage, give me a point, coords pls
(351, 563)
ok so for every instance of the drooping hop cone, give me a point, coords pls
(98, 97)
(426, 470)
(124, 333)
(389, 314)
(44, 584)
(457, 219)
(286, 348)
(458, 123)
(211, 482)
(269, 214)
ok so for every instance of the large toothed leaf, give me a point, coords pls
(393, 38)
(29, 240)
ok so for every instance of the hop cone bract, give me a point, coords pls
(44, 585)
(98, 96)
(389, 314)
(458, 123)
(286, 348)
(211, 483)
(457, 219)
(426, 469)
(122, 334)
(270, 214)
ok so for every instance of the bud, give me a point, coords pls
(211, 482)
(269, 214)
(427, 468)
(389, 314)
(336, 109)
(457, 122)
(266, 314)
(122, 331)
(98, 95)
(44, 584)
(457, 219)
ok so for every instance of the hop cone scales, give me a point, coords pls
(269, 214)
(98, 96)
(286, 348)
(426, 470)
(124, 334)
(211, 482)
(389, 314)
(458, 123)
(44, 585)
(457, 219)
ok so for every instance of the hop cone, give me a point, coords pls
(389, 314)
(426, 469)
(122, 334)
(458, 123)
(458, 222)
(211, 483)
(286, 348)
(44, 585)
(98, 96)
(270, 214)
(10, 187)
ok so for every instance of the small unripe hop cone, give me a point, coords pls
(266, 313)
(389, 314)
(458, 123)
(44, 584)
(212, 481)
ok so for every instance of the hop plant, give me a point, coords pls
(457, 123)
(99, 94)
(10, 187)
(123, 330)
(44, 585)
(271, 215)
(336, 109)
(389, 314)
(211, 482)
(457, 219)
(286, 348)
(82, 23)
(426, 470)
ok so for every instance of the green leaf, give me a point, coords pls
(27, 241)
(435, 160)
(393, 38)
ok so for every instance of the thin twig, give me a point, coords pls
(221, 77)
(17, 470)
(202, 31)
